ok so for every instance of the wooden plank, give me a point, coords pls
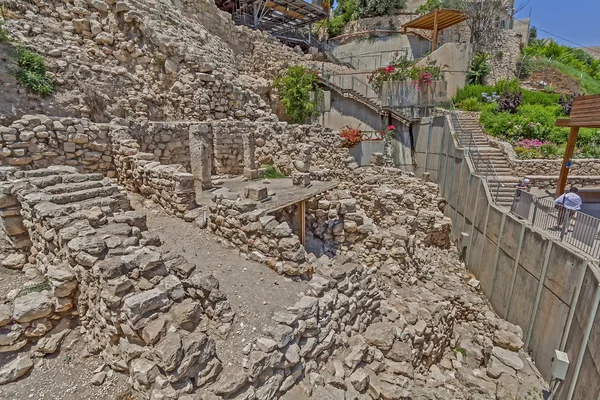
(302, 222)
(567, 123)
(564, 171)
(283, 10)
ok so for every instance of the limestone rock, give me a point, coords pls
(508, 340)
(32, 306)
(508, 357)
(15, 369)
(14, 261)
(359, 379)
(380, 335)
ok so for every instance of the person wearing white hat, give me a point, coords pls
(525, 185)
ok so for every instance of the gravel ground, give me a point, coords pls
(65, 375)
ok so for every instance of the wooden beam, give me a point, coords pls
(283, 10)
(435, 31)
(302, 222)
(570, 123)
(564, 171)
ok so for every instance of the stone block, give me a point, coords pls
(301, 179)
(256, 193)
(250, 174)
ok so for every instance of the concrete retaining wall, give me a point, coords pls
(546, 287)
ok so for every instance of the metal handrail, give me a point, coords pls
(482, 165)
(576, 228)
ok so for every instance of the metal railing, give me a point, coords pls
(483, 166)
(352, 83)
(573, 227)
(374, 59)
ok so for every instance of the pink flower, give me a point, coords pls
(391, 127)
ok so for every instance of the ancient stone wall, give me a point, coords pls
(37, 141)
(168, 141)
(170, 186)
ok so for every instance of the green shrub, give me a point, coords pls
(32, 72)
(512, 85)
(479, 69)
(541, 98)
(588, 137)
(469, 91)
(295, 88)
(550, 150)
(470, 104)
(527, 154)
(271, 172)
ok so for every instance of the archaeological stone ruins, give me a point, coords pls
(168, 109)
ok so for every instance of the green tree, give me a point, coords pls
(378, 8)
(299, 92)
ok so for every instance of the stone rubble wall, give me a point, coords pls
(151, 314)
(228, 147)
(504, 53)
(261, 237)
(37, 141)
(153, 61)
(344, 301)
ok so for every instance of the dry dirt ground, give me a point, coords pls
(254, 290)
(562, 83)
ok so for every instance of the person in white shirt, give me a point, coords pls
(569, 201)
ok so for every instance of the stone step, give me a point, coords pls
(115, 202)
(77, 196)
(73, 187)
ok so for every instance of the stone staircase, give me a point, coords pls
(492, 160)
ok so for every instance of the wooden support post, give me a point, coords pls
(435, 31)
(302, 222)
(564, 171)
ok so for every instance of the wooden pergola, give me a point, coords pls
(585, 113)
(436, 21)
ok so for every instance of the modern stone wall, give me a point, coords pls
(531, 279)
(579, 167)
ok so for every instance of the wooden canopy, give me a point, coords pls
(585, 113)
(436, 21)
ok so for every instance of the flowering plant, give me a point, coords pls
(531, 143)
(351, 136)
(401, 69)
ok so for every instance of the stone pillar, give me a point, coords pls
(201, 154)
(11, 220)
(250, 170)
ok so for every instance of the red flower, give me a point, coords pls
(391, 127)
